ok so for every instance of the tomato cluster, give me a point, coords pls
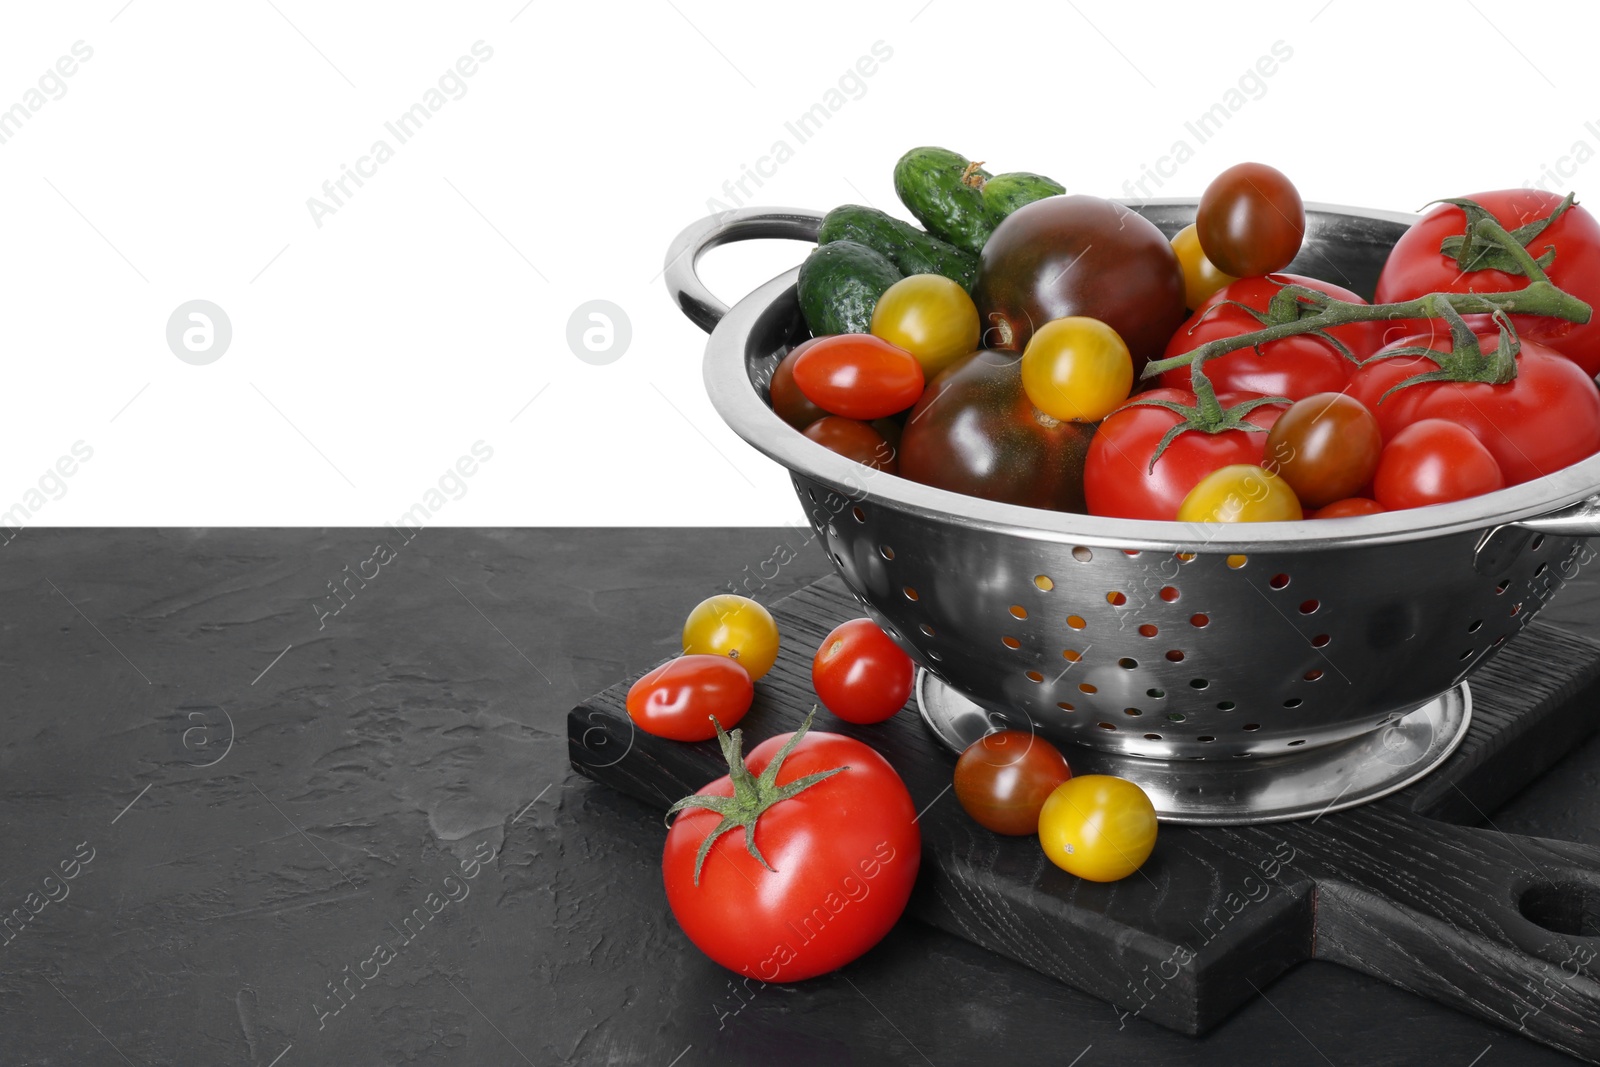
(1280, 397)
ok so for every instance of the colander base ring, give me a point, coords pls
(1240, 792)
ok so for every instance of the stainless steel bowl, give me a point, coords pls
(1270, 650)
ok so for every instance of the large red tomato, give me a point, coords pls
(1546, 418)
(975, 432)
(1416, 267)
(1079, 255)
(1118, 480)
(841, 855)
(1295, 367)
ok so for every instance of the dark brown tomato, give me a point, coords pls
(788, 401)
(1326, 447)
(1079, 255)
(854, 440)
(974, 432)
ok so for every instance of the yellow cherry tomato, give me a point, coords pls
(1201, 277)
(929, 316)
(1076, 369)
(736, 627)
(1241, 492)
(1098, 827)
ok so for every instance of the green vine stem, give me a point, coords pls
(1297, 309)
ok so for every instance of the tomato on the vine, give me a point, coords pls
(855, 440)
(1240, 492)
(929, 316)
(1326, 447)
(1295, 367)
(1118, 480)
(825, 873)
(1098, 827)
(679, 699)
(1417, 266)
(1546, 418)
(858, 376)
(734, 626)
(1076, 369)
(975, 432)
(860, 674)
(1434, 462)
(1003, 779)
(1251, 220)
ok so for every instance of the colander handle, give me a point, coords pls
(1580, 520)
(740, 224)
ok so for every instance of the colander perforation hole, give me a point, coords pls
(1465, 654)
(1314, 674)
(911, 593)
(1184, 557)
(1082, 554)
(1064, 706)
(1516, 609)
(1205, 739)
(1252, 727)
(886, 552)
(1034, 676)
(858, 514)
(1076, 622)
(1199, 620)
(1170, 594)
(933, 655)
(1293, 702)
(1132, 711)
(1176, 716)
(1175, 656)
(1475, 626)
(1152, 737)
(1155, 694)
(1537, 543)
(1198, 683)
(1116, 599)
(1106, 726)
(1501, 586)
(1320, 641)
(1309, 607)
(1279, 581)
(1071, 655)
(1018, 611)
(1292, 744)
(1128, 663)
(1149, 629)
(1226, 705)
(1236, 562)
(925, 628)
(1088, 688)
(1130, 552)
(1540, 569)
(1044, 582)
(1011, 642)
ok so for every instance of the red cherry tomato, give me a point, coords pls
(858, 376)
(1547, 418)
(854, 440)
(679, 699)
(843, 855)
(1003, 779)
(788, 402)
(1251, 220)
(1434, 462)
(860, 674)
(1295, 367)
(1416, 266)
(1117, 478)
(1326, 447)
(1349, 508)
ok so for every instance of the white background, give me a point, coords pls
(424, 315)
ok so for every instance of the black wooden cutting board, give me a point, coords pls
(1419, 889)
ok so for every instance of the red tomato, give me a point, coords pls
(1416, 267)
(841, 857)
(1546, 418)
(788, 401)
(1250, 220)
(1348, 508)
(1326, 447)
(1295, 367)
(858, 376)
(1117, 478)
(854, 440)
(1434, 462)
(678, 699)
(1003, 779)
(860, 674)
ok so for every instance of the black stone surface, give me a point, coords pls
(424, 725)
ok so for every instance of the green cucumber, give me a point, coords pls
(944, 190)
(840, 283)
(908, 248)
(1004, 193)
(958, 200)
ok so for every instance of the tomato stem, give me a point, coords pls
(1317, 311)
(752, 796)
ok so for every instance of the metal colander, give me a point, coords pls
(1330, 654)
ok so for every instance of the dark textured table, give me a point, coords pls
(244, 827)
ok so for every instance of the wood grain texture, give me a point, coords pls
(1393, 889)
